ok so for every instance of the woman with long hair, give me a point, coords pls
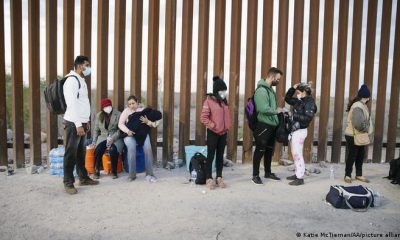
(304, 109)
(358, 122)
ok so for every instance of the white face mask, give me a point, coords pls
(299, 96)
(222, 94)
(87, 71)
(107, 109)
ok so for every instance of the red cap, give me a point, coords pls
(105, 103)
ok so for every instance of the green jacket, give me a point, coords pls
(265, 100)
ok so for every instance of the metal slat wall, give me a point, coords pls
(234, 79)
(68, 35)
(395, 91)
(3, 110)
(382, 80)
(51, 68)
(297, 41)
(136, 51)
(202, 69)
(312, 70)
(17, 84)
(219, 38)
(152, 65)
(283, 21)
(169, 82)
(86, 36)
(355, 47)
(325, 80)
(186, 76)
(340, 80)
(201, 90)
(34, 82)
(119, 55)
(268, 19)
(102, 52)
(251, 50)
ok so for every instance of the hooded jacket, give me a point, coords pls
(303, 109)
(265, 101)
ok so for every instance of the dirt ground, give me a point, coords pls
(35, 207)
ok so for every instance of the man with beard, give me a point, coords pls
(267, 122)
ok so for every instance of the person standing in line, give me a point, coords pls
(267, 121)
(304, 109)
(76, 125)
(216, 117)
(358, 122)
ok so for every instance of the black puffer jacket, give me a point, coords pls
(303, 110)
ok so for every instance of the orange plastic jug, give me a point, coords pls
(119, 164)
(106, 159)
(89, 160)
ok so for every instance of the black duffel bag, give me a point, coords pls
(357, 198)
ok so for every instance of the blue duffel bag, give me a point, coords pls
(357, 198)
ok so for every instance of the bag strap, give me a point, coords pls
(347, 195)
(79, 83)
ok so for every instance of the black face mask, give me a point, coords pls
(274, 83)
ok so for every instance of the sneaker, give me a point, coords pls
(114, 176)
(210, 184)
(272, 176)
(362, 179)
(293, 177)
(87, 181)
(96, 176)
(257, 180)
(70, 190)
(347, 179)
(297, 182)
(220, 182)
(130, 179)
(151, 179)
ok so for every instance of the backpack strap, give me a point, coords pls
(79, 83)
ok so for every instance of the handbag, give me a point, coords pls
(356, 198)
(361, 139)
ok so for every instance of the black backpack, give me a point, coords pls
(54, 95)
(198, 163)
(284, 128)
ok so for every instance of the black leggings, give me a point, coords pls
(264, 135)
(215, 143)
(98, 154)
(355, 154)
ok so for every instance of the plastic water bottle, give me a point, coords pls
(176, 163)
(193, 177)
(332, 173)
(377, 199)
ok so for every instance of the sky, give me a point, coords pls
(195, 42)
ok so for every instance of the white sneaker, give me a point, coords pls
(151, 179)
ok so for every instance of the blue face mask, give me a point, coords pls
(87, 71)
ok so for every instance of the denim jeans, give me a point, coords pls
(131, 145)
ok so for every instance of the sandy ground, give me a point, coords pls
(35, 207)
